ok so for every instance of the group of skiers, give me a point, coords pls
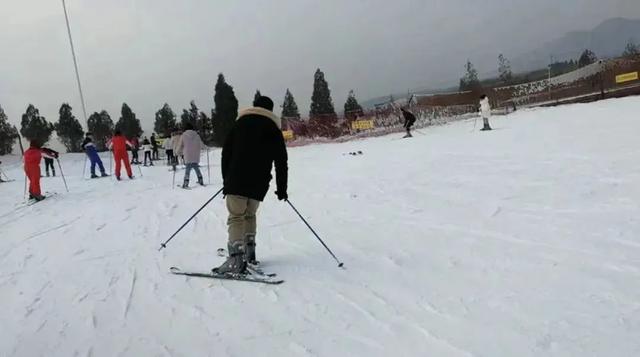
(254, 144)
(485, 113)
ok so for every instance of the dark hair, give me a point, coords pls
(187, 126)
(264, 103)
(88, 134)
(483, 96)
(117, 132)
(35, 143)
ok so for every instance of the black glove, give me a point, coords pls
(282, 196)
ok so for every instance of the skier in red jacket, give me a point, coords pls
(32, 158)
(119, 145)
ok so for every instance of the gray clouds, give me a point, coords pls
(147, 52)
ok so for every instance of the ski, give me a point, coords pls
(238, 277)
(5, 181)
(189, 188)
(253, 268)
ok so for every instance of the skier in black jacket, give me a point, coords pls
(254, 144)
(409, 120)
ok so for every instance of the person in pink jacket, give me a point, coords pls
(190, 147)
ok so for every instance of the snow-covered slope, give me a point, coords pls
(524, 241)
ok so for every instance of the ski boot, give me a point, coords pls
(250, 249)
(235, 264)
(104, 174)
(118, 178)
(94, 176)
(200, 181)
(185, 184)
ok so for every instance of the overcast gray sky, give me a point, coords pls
(147, 52)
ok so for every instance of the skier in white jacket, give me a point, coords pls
(485, 111)
(190, 147)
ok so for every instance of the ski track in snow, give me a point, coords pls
(518, 242)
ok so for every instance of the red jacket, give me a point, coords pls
(33, 155)
(119, 144)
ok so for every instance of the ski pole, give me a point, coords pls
(340, 264)
(475, 121)
(84, 168)
(208, 166)
(173, 182)
(62, 174)
(164, 245)
(140, 169)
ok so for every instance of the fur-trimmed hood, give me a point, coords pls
(261, 112)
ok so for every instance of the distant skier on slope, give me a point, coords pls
(176, 138)
(32, 158)
(168, 149)
(485, 112)
(154, 145)
(135, 147)
(119, 146)
(409, 120)
(48, 163)
(190, 146)
(91, 151)
(253, 145)
(146, 148)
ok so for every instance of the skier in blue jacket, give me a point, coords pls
(92, 153)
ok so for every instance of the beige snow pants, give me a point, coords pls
(242, 217)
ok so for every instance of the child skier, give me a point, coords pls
(154, 145)
(92, 153)
(409, 120)
(168, 150)
(32, 158)
(250, 150)
(191, 145)
(146, 148)
(119, 146)
(48, 163)
(485, 112)
(176, 137)
(135, 146)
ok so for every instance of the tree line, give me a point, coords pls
(213, 128)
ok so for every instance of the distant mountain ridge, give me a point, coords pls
(607, 40)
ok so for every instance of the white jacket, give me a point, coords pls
(146, 148)
(168, 144)
(485, 108)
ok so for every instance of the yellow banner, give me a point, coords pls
(288, 134)
(627, 77)
(362, 125)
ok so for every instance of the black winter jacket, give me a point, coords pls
(253, 145)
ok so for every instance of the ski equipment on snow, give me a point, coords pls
(238, 277)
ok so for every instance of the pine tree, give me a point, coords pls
(352, 108)
(8, 134)
(35, 127)
(470, 79)
(191, 116)
(101, 126)
(206, 128)
(226, 110)
(69, 130)
(632, 50)
(504, 69)
(290, 112)
(322, 116)
(128, 124)
(165, 121)
(586, 58)
(257, 95)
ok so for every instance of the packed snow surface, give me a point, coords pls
(523, 241)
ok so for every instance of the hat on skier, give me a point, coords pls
(264, 103)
